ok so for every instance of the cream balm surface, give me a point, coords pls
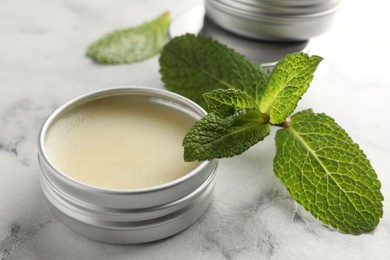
(120, 142)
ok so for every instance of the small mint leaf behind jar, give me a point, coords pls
(327, 173)
(132, 44)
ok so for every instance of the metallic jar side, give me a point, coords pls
(128, 216)
(273, 22)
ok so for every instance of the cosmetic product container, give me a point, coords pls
(273, 20)
(117, 214)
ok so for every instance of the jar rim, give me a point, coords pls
(131, 90)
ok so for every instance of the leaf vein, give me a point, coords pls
(327, 172)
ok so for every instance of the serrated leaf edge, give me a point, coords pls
(164, 18)
(296, 135)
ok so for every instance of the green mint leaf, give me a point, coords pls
(193, 65)
(226, 102)
(327, 173)
(132, 44)
(216, 137)
(289, 80)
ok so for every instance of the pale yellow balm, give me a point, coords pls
(120, 142)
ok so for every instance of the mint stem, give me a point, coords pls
(284, 124)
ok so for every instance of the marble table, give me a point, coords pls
(43, 64)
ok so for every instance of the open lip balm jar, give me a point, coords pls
(113, 169)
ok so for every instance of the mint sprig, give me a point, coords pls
(322, 168)
(132, 44)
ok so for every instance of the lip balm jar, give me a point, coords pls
(100, 186)
(273, 20)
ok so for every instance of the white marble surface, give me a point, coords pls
(43, 64)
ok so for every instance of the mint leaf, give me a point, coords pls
(216, 137)
(131, 44)
(322, 168)
(193, 65)
(289, 80)
(226, 102)
(327, 173)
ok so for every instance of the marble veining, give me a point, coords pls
(16, 237)
(43, 64)
(9, 244)
(15, 134)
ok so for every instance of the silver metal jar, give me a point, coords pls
(127, 216)
(275, 20)
(266, 53)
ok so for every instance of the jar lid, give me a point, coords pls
(276, 20)
(275, 8)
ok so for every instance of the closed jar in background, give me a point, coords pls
(273, 20)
